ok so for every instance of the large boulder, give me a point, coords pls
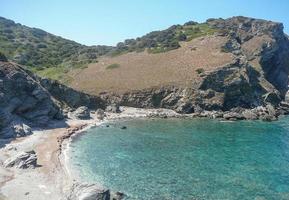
(81, 113)
(21, 130)
(249, 114)
(113, 108)
(100, 114)
(88, 192)
(22, 160)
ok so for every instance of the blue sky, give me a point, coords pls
(107, 22)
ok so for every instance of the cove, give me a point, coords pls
(187, 159)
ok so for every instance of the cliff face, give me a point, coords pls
(257, 75)
(26, 99)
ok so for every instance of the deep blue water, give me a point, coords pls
(188, 159)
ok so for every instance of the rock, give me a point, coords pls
(23, 160)
(100, 114)
(21, 130)
(268, 118)
(23, 99)
(249, 115)
(118, 196)
(123, 127)
(39, 93)
(88, 192)
(81, 113)
(233, 116)
(185, 107)
(271, 110)
(113, 108)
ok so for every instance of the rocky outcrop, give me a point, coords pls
(256, 77)
(27, 100)
(70, 97)
(23, 99)
(88, 192)
(81, 113)
(22, 160)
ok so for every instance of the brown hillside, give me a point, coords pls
(135, 71)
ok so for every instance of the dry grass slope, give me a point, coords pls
(144, 70)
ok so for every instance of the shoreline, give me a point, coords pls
(54, 178)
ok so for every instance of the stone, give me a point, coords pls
(81, 113)
(88, 192)
(271, 110)
(100, 114)
(118, 196)
(22, 160)
(39, 93)
(233, 116)
(21, 130)
(185, 107)
(249, 115)
(113, 108)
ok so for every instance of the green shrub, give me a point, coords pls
(113, 66)
(3, 57)
(200, 70)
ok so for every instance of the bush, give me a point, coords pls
(3, 57)
(113, 66)
(200, 70)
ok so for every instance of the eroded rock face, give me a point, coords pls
(22, 160)
(257, 75)
(70, 97)
(22, 98)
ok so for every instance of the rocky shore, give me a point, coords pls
(43, 157)
(39, 117)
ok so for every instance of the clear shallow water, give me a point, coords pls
(188, 159)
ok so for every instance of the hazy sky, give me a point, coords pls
(107, 22)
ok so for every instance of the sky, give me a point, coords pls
(107, 22)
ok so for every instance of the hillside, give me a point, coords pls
(244, 63)
(52, 56)
(222, 64)
(40, 50)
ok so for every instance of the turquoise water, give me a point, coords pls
(188, 159)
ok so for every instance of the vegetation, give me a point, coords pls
(200, 70)
(166, 40)
(52, 56)
(40, 50)
(3, 57)
(113, 66)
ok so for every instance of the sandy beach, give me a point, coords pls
(52, 178)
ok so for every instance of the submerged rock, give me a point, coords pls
(118, 196)
(23, 160)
